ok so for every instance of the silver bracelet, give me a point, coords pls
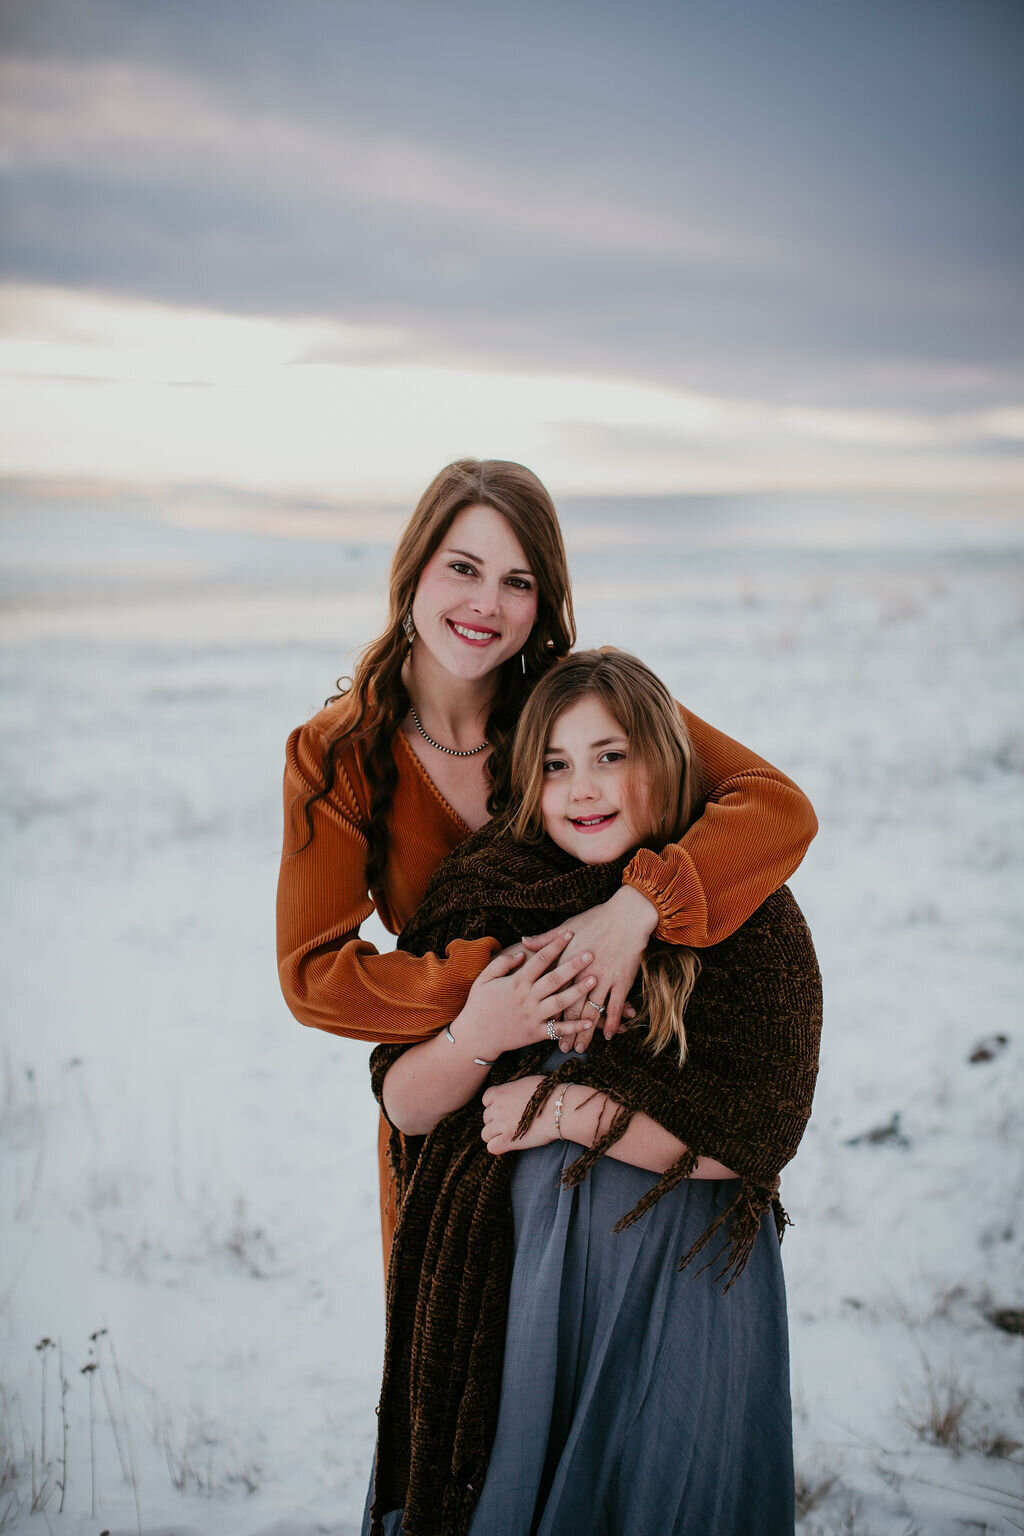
(478, 1061)
(558, 1111)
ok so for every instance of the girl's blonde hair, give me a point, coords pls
(660, 748)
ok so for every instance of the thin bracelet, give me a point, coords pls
(478, 1061)
(558, 1111)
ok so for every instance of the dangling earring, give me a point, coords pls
(409, 627)
(522, 658)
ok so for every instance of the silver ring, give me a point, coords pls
(553, 1035)
(598, 1006)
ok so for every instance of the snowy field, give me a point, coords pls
(188, 1177)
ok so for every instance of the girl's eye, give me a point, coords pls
(553, 765)
(612, 757)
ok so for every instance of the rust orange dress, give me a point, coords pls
(754, 831)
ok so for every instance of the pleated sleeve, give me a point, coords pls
(756, 827)
(332, 979)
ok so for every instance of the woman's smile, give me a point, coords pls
(473, 636)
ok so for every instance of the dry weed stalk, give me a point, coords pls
(42, 1349)
(11, 1502)
(64, 1424)
(94, 1338)
(105, 1333)
(42, 1491)
(89, 1371)
(947, 1397)
(947, 1404)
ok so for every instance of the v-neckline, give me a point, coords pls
(446, 804)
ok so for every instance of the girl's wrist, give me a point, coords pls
(559, 1113)
(580, 1119)
(571, 1100)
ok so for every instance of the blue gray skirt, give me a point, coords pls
(635, 1399)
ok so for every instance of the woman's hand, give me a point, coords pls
(512, 999)
(503, 1110)
(616, 934)
(508, 1006)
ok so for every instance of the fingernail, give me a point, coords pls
(566, 933)
(587, 1024)
(591, 981)
(586, 957)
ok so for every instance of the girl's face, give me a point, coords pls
(476, 599)
(593, 800)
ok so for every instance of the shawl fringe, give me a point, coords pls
(680, 1170)
(590, 1156)
(743, 1217)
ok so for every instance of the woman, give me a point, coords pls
(394, 774)
(630, 1394)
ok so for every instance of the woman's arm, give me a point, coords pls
(755, 829)
(332, 979)
(586, 1115)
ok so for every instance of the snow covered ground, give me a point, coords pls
(188, 1178)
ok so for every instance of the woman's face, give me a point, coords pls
(593, 800)
(476, 600)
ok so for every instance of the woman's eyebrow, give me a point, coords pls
(515, 570)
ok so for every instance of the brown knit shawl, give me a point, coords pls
(743, 1097)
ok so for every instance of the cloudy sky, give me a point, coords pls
(321, 248)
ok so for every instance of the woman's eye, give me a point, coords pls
(461, 568)
(612, 757)
(519, 584)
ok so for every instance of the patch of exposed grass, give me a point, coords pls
(811, 1490)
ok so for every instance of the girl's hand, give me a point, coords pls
(503, 1110)
(616, 933)
(512, 999)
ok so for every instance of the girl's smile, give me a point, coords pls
(592, 823)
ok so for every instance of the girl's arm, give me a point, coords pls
(332, 979)
(755, 829)
(585, 1116)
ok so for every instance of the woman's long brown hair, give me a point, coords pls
(382, 700)
(660, 747)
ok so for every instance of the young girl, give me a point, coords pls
(551, 1366)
